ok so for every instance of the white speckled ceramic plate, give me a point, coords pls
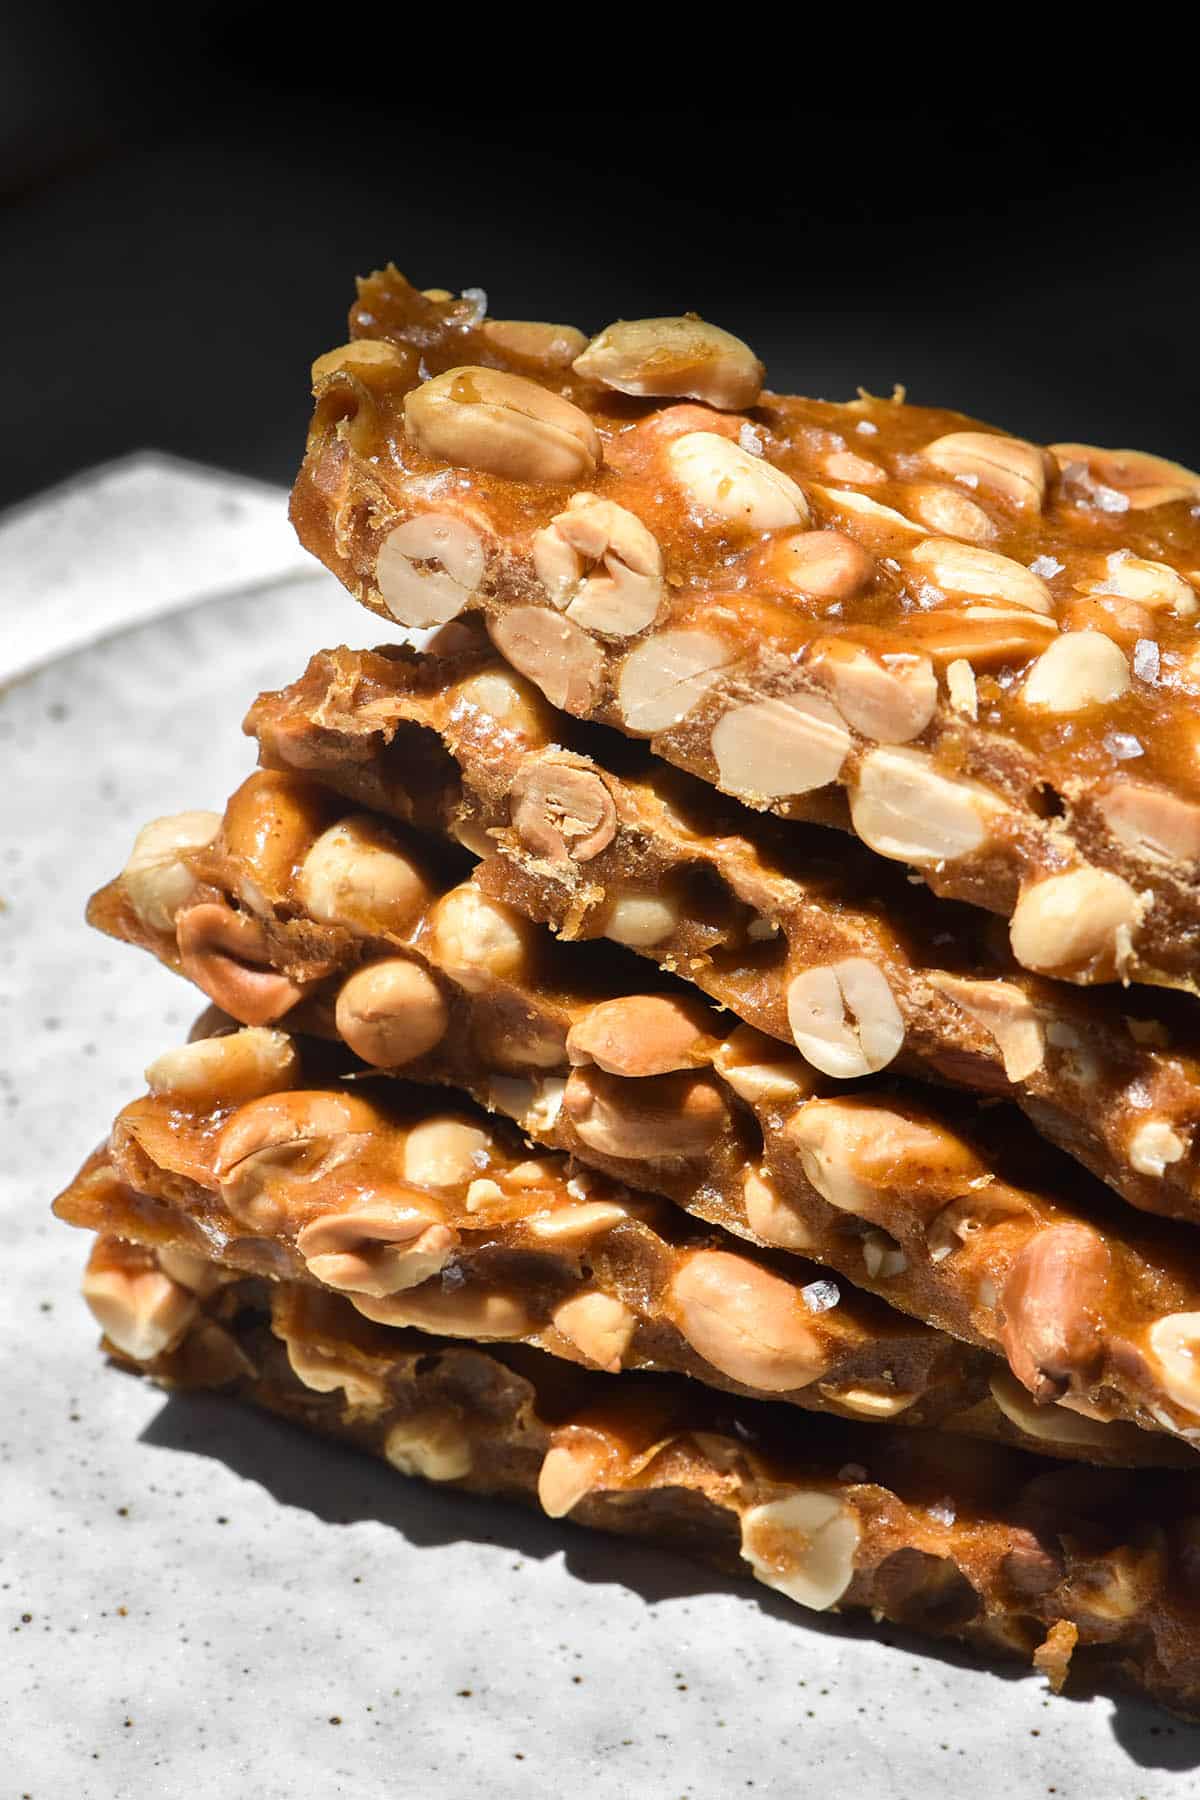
(199, 1602)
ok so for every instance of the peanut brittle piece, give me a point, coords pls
(959, 1216)
(807, 938)
(436, 1216)
(1072, 1569)
(977, 653)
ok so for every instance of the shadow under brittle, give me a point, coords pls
(340, 1486)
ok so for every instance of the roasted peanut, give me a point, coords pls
(225, 1070)
(562, 812)
(1151, 821)
(1078, 670)
(1152, 585)
(889, 698)
(572, 1469)
(642, 1034)
(965, 569)
(142, 1311)
(226, 954)
(1050, 1424)
(844, 1018)
(1052, 1309)
(1008, 1016)
(670, 359)
(376, 1245)
(1175, 1346)
(792, 744)
(556, 654)
(366, 358)
(759, 1069)
(858, 1156)
(391, 1013)
(156, 879)
(667, 676)
(882, 1256)
(477, 940)
(770, 1217)
(1138, 478)
(191, 1270)
(511, 702)
(444, 1152)
(904, 807)
(720, 477)
(961, 688)
(358, 874)
(1008, 466)
(504, 424)
(432, 1445)
(284, 1141)
(882, 526)
(270, 822)
(1080, 923)
(547, 348)
(746, 1322)
(662, 1118)
(465, 1312)
(1153, 1146)
(573, 1227)
(324, 1371)
(430, 568)
(601, 566)
(827, 565)
(949, 512)
(641, 920)
(600, 1326)
(849, 466)
(804, 1545)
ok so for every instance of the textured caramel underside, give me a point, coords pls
(755, 904)
(364, 475)
(903, 1165)
(982, 1543)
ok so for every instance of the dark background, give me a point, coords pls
(187, 197)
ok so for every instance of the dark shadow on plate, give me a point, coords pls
(342, 1487)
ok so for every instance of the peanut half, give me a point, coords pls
(667, 676)
(562, 812)
(504, 424)
(746, 1322)
(803, 1545)
(156, 880)
(678, 358)
(791, 744)
(1008, 466)
(429, 568)
(721, 478)
(601, 566)
(844, 1018)
(557, 655)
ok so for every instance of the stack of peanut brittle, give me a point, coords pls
(709, 1042)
